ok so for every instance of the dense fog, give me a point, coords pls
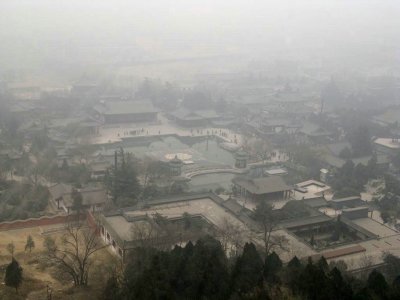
(341, 34)
(215, 149)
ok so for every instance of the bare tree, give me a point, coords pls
(74, 252)
(30, 243)
(269, 221)
(146, 233)
(152, 170)
(277, 242)
(365, 263)
(232, 236)
(11, 248)
(157, 232)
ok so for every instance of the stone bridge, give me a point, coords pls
(222, 169)
(192, 174)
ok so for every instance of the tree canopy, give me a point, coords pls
(202, 270)
(13, 275)
(121, 180)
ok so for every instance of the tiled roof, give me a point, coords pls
(263, 185)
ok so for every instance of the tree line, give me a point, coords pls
(203, 271)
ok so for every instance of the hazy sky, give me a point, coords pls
(173, 28)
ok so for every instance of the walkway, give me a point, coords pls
(115, 133)
(215, 170)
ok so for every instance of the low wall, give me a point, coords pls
(35, 222)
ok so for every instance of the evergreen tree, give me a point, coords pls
(77, 200)
(395, 294)
(187, 220)
(64, 165)
(200, 271)
(153, 284)
(138, 261)
(312, 240)
(294, 263)
(372, 166)
(293, 271)
(121, 180)
(272, 266)
(377, 283)
(339, 288)
(209, 267)
(313, 282)
(347, 169)
(392, 268)
(392, 184)
(323, 264)
(247, 272)
(360, 140)
(13, 276)
(194, 272)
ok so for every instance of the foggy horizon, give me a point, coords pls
(343, 34)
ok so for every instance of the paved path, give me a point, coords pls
(115, 133)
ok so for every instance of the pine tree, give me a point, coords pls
(29, 243)
(322, 264)
(13, 276)
(247, 272)
(312, 240)
(377, 283)
(339, 287)
(294, 263)
(121, 179)
(272, 266)
(313, 282)
(207, 270)
(293, 270)
(396, 288)
(77, 202)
